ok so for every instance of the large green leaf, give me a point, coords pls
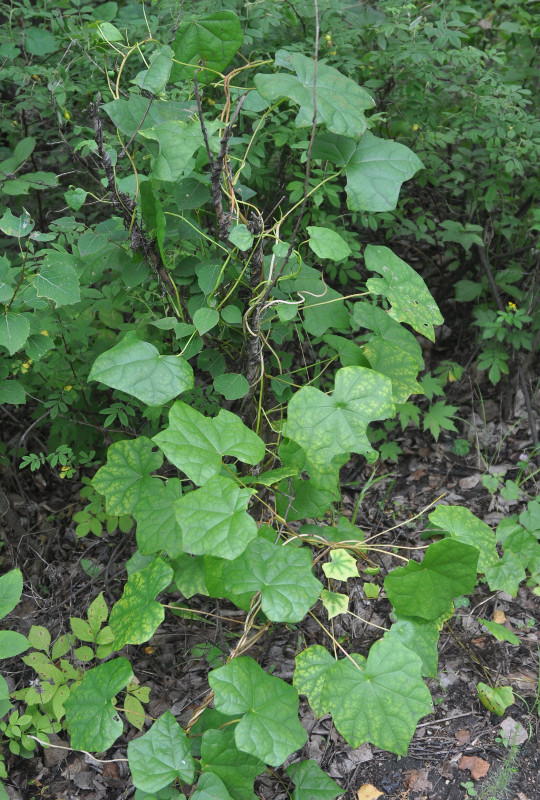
(125, 478)
(420, 636)
(16, 226)
(214, 520)
(11, 586)
(327, 426)
(196, 444)
(425, 590)
(312, 664)
(92, 718)
(404, 289)
(130, 114)
(220, 756)
(283, 576)
(177, 141)
(12, 644)
(155, 78)
(376, 171)
(311, 782)
(393, 351)
(462, 525)
(137, 368)
(135, 617)
(209, 42)
(506, 574)
(270, 728)
(210, 787)
(160, 756)
(327, 243)
(14, 330)
(57, 279)
(340, 101)
(378, 700)
(157, 528)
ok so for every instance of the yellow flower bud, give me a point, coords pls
(415, 126)
(67, 114)
(68, 388)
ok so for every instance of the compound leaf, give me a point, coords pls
(404, 289)
(270, 728)
(462, 525)
(93, 720)
(283, 576)
(312, 664)
(378, 700)
(125, 478)
(340, 101)
(160, 756)
(425, 590)
(328, 426)
(196, 444)
(135, 617)
(137, 368)
(214, 521)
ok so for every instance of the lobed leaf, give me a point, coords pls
(160, 756)
(135, 617)
(92, 718)
(270, 729)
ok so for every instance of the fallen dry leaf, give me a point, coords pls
(470, 482)
(513, 731)
(462, 736)
(368, 792)
(476, 766)
(499, 616)
(416, 780)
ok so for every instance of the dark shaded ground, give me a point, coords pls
(38, 536)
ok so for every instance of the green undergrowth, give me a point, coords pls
(183, 314)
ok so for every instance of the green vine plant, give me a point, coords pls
(243, 504)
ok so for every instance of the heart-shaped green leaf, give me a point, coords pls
(327, 243)
(310, 782)
(283, 575)
(157, 528)
(209, 42)
(378, 700)
(93, 720)
(214, 521)
(270, 728)
(426, 590)
(196, 444)
(220, 756)
(340, 101)
(137, 368)
(160, 756)
(125, 478)
(328, 426)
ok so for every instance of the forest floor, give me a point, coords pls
(461, 750)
